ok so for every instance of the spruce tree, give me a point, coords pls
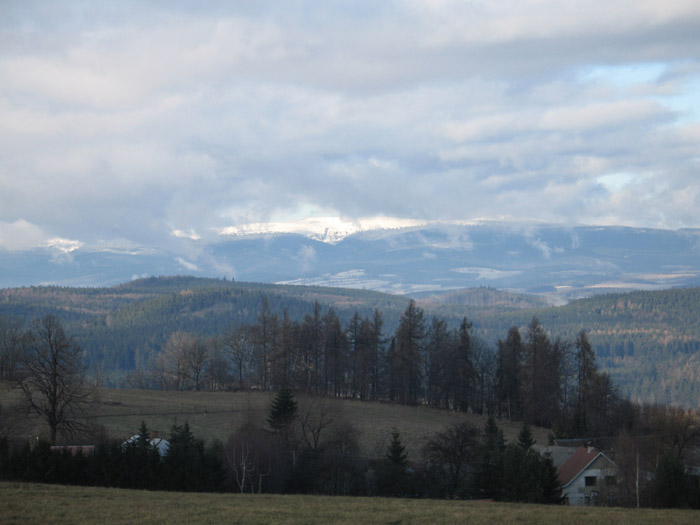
(281, 416)
(144, 439)
(487, 481)
(525, 438)
(392, 478)
(397, 455)
(282, 411)
(550, 486)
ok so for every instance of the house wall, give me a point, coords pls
(577, 493)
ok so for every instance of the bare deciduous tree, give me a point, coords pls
(452, 452)
(196, 359)
(316, 416)
(237, 344)
(250, 455)
(180, 363)
(52, 378)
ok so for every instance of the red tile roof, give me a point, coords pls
(580, 459)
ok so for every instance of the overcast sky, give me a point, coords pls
(125, 122)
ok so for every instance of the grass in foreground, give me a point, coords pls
(24, 503)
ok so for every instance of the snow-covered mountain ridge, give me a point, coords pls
(332, 230)
(402, 256)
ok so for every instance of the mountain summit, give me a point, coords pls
(393, 255)
(330, 230)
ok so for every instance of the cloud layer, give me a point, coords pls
(156, 124)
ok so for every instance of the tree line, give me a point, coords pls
(188, 465)
(528, 375)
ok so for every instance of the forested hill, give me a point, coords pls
(649, 341)
(116, 326)
(121, 325)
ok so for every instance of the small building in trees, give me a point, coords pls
(154, 440)
(588, 477)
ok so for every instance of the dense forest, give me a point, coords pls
(649, 342)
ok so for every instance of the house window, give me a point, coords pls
(610, 480)
(590, 481)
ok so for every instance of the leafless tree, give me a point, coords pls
(315, 417)
(218, 374)
(452, 451)
(238, 346)
(52, 377)
(196, 359)
(676, 429)
(180, 363)
(242, 463)
(250, 455)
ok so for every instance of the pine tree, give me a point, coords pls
(464, 372)
(281, 416)
(529, 477)
(407, 358)
(525, 437)
(487, 481)
(144, 439)
(185, 467)
(550, 486)
(392, 479)
(282, 411)
(397, 455)
(510, 374)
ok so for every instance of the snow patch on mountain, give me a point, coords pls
(63, 245)
(332, 230)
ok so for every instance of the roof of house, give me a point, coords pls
(559, 455)
(576, 463)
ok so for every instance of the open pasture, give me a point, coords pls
(24, 503)
(216, 415)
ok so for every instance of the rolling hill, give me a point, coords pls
(649, 341)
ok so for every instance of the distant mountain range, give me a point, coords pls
(406, 257)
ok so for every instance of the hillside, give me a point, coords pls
(217, 415)
(115, 325)
(482, 301)
(649, 341)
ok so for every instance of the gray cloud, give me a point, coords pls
(121, 122)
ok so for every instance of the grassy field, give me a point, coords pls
(216, 415)
(23, 503)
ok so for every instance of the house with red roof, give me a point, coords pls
(588, 477)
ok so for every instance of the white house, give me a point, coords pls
(588, 477)
(160, 444)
